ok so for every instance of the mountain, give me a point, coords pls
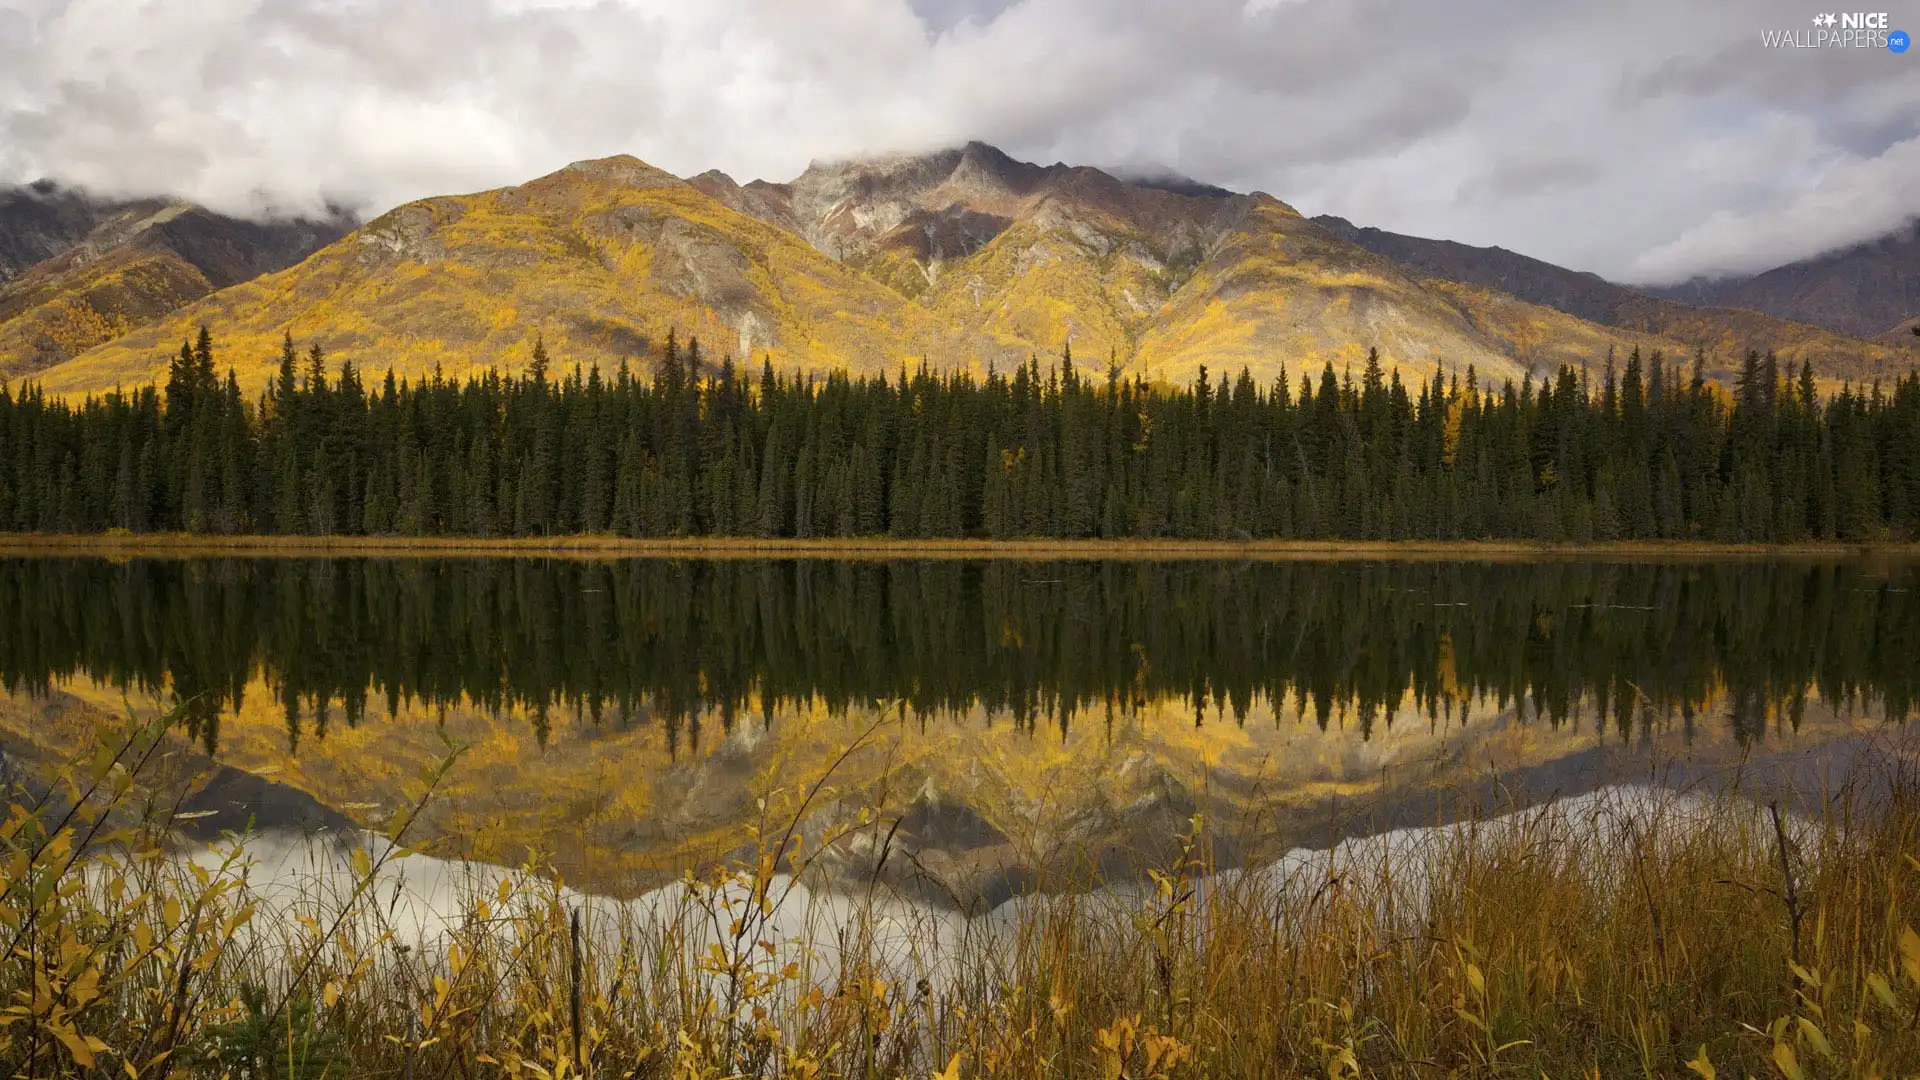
(1724, 331)
(602, 258)
(1865, 290)
(1906, 335)
(40, 221)
(963, 258)
(76, 271)
(1161, 274)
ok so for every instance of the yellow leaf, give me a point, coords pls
(362, 863)
(1877, 983)
(82, 1053)
(1910, 954)
(1787, 1062)
(951, 1072)
(1816, 1037)
(330, 995)
(1701, 1065)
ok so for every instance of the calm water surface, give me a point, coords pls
(627, 719)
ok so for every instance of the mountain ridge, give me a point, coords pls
(1866, 290)
(77, 271)
(963, 259)
(1589, 296)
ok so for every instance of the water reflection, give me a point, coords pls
(627, 718)
(689, 644)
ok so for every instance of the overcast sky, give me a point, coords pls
(1645, 139)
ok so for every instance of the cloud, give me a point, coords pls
(1852, 201)
(1524, 175)
(942, 15)
(1591, 133)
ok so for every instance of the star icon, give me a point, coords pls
(1830, 19)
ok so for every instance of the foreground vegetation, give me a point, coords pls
(1678, 939)
(1642, 451)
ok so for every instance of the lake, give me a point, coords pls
(1010, 724)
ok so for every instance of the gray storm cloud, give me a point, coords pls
(1644, 139)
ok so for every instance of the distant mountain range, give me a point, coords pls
(964, 258)
(76, 271)
(1723, 323)
(1869, 290)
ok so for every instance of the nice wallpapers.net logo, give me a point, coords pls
(1841, 30)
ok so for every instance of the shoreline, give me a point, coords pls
(182, 545)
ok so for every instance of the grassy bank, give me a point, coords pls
(189, 545)
(1648, 938)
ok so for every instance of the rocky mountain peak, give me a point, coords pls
(623, 170)
(950, 203)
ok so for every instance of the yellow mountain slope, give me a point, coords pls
(963, 258)
(48, 316)
(91, 270)
(602, 258)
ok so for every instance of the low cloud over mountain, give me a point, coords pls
(1644, 139)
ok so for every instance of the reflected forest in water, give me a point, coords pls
(692, 644)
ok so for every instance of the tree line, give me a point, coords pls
(692, 644)
(1643, 449)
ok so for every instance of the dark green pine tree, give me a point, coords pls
(1636, 452)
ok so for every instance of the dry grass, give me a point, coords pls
(1624, 935)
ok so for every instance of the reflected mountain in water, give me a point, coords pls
(1001, 726)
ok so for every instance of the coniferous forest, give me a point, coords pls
(1641, 449)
